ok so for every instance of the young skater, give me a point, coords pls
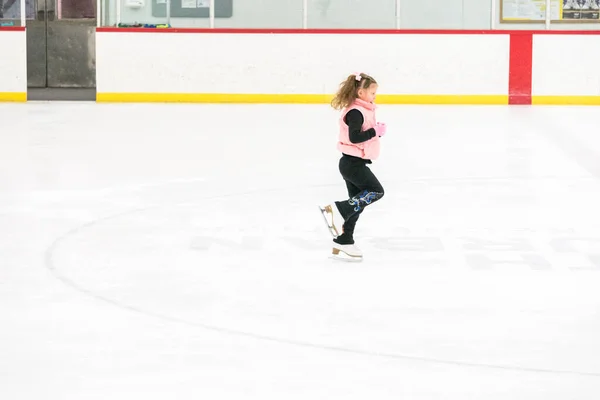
(359, 143)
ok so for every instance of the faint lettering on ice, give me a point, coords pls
(565, 252)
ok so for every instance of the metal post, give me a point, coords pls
(398, 23)
(99, 13)
(119, 12)
(305, 14)
(23, 13)
(211, 13)
(548, 14)
(168, 11)
(493, 14)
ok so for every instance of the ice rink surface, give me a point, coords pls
(177, 252)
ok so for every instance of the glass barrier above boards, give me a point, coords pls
(351, 14)
(12, 12)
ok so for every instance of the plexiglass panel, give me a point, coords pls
(10, 12)
(320, 14)
(446, 14)
(144, 13)
(263, 14)
(355, 14)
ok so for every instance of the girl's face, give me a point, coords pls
(368, 94)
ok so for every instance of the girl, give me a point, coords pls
(359, 144)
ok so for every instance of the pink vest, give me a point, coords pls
(368, 150)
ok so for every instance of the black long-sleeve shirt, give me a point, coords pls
(354, 119)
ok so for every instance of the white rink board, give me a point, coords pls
(279, 63)
(566, 65)
(13, 62)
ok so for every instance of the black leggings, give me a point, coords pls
(363, 189)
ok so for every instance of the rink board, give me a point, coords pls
(565, 69)
(274, 66)
(419, 67)
(13, 64)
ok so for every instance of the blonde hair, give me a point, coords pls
(348, 91)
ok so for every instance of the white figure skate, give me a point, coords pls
(335, 223)
(333, 219)
(346, 252)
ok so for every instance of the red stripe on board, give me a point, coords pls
(345, 31)
(519, 75)
(12, 28)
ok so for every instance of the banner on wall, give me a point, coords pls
(560, 10)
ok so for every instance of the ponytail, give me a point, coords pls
(348, 91)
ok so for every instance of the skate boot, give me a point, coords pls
(333, 219)
(345, 249)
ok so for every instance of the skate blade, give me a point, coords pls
(332, 230)
(340, 255)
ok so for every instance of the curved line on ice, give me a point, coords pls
(49, 264)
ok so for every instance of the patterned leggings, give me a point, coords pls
(363, 189)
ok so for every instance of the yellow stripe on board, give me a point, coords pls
(13, 96)
(442, 99)
(293, 98)
(566, 100)
(211, 98)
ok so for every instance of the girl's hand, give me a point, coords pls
(380, 129)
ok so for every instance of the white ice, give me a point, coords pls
(177, 252)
